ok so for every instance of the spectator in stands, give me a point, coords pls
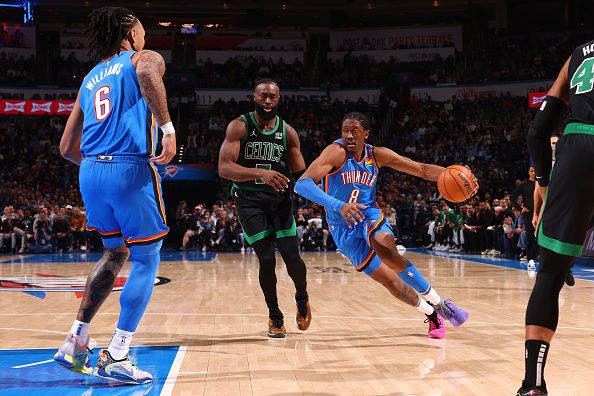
(424, 217)
(7, 235)
(181, 216)
(20, 230)
(78, 223)
(194, 228)
(312, 237)
(300, 223)
(470, 228)
(61, 230)
(42, 234)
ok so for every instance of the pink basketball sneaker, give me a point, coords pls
(436, 326)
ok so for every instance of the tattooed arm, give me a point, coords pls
(150, 68)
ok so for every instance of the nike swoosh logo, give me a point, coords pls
(539, 177)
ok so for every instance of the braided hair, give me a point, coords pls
(107, 27)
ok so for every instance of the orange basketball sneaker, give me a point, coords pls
(303, 317)
(276, 328)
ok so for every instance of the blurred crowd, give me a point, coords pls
(487, 134)
(492, 57)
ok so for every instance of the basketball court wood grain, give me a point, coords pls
(361, 341)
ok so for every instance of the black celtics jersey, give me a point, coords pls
(262, 149)
(581, 85)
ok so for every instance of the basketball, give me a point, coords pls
(456, 183)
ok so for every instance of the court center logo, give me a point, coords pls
(38, 284)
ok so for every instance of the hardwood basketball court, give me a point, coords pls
(204, 332)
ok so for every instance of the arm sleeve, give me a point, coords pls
(547, 120)
(307, 188)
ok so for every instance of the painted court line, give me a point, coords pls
(174, 371)
(33, 364)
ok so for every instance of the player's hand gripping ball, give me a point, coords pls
(457, 183)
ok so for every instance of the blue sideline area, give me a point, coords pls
(583, 268)
(49, 378)
(93, 257)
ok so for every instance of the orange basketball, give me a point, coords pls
(456, 183)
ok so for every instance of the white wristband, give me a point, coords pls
(168, 128)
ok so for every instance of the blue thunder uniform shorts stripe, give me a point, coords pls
(355, 242)
(123, 200)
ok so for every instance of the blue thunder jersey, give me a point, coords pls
(354, 181)
(117, 120)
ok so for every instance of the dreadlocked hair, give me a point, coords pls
(107, 27)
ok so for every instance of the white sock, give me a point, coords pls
(424, 307)
(81, 331)
(120, 344)
(432, 296)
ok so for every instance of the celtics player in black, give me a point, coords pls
(257, 149)
(569, 204)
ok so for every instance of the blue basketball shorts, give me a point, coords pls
(123, 200)
(355, 242)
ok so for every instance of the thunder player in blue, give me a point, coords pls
(348, 169)
(112, 133)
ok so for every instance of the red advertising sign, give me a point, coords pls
(535, 99)
(36, 107)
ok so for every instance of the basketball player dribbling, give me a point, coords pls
(568, 210)
(256, 148)
(349, 169)
(112, 134)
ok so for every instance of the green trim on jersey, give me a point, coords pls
(578, 127)
(288, 232)
(259, 236)
(260, 129)
(566, 248)
(245, 136)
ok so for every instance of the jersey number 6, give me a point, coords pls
(102, 103)
(354, 195)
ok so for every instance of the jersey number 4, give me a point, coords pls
(102, 103)
(583, 78)
(354, 195)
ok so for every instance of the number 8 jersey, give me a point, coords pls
(117, 120)
(354, 181)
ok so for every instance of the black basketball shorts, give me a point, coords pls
(569, 204)
(264, 213)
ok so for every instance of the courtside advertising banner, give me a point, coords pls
(36, 107)
(535, 99)
(186, 172)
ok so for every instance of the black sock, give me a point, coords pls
(301, 297)
(535, 360)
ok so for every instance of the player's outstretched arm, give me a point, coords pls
(386, 157)
(332, 157)
(70, 142)
(229, 169)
